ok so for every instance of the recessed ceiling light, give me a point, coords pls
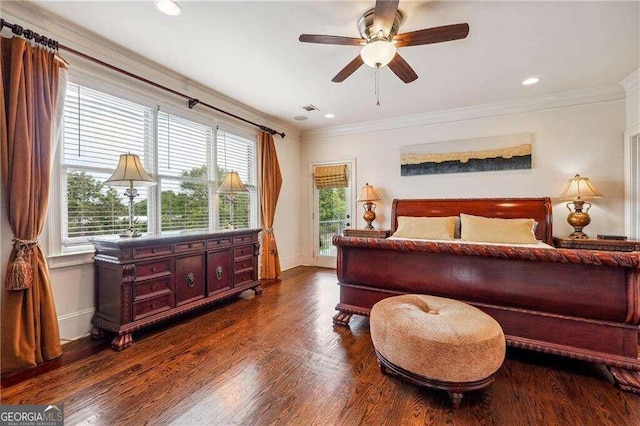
(169, 7)
(531, 80)
(329, 116)
(300, 117)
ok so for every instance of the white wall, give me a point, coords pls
(73, 276)
(631, 86)
(585, 139)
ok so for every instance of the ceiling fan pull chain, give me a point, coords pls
(377, 86)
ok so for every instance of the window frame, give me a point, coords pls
(254, 197)
(210, 180)
(158, 101)
(67, 242)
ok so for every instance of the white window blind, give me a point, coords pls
(185, 175)
(192, 159)
(237, 154)
(98, 128)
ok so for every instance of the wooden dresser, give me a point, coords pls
(142, 281)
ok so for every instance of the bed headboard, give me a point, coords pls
(505, 208)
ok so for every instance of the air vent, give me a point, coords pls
(310, 108)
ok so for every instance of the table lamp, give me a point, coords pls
(368, 194)
(578, 190)
(231, 185)
(130, 173)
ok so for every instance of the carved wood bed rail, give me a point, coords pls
(577, 303)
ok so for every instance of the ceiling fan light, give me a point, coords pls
(378, 53)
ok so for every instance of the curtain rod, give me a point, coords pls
(192, 102)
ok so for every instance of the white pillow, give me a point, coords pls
(497, 230)
(429, 228)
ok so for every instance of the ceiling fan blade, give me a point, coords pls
(432, 35)
(402, 69)
(348, 70)
(383, 16)
(329, 39)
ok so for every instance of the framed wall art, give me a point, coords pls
(496, 153)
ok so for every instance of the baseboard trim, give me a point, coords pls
(75, 325)
(293, 261)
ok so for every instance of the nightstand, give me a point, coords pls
(594, 244)
(369, 233)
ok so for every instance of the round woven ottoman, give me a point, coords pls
(436, 342)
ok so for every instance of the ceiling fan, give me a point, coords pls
(380, 39)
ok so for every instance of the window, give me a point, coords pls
(97, 129)
(237, 154)
(185, 175)
(187, 159)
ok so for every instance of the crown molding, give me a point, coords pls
(558, 100)
(90, 43)
(631, 83)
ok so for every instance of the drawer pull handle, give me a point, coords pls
(154, 269)
(191, 280)
(219, 272)
(190, 245)
(154, 305)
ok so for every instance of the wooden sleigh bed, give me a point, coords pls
(576, 303)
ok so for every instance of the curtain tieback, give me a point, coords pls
(273, 249)
(20, 272)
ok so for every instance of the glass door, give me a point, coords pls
(332, 212)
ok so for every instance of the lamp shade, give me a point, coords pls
(378, 53)
(368, 193)
(580, 188)
(130, 171)
(232, 183)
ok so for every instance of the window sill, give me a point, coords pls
(64, 260)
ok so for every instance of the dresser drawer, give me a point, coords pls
(242, 251)
(152, 306)
(219, 271)
(152, 288)
(190, 246)
(243, 265)
(245, 238)
(220, 242)
(153, 251)
(152, 269)
(189, 278)
(243, 278)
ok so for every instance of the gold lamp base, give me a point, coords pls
(369, 214)
(578, 218)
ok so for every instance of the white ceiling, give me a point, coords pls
(249, 51)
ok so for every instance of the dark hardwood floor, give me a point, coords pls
(277, 359)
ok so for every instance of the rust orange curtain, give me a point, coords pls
(29, 81)
(271, 181)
